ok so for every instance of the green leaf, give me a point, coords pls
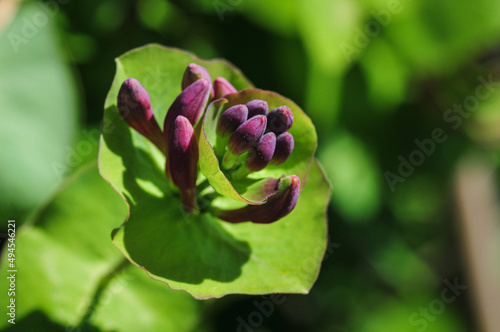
(298, 163)
(133, 302)
(197, 252)
(211, 258)
(38, 108)
(325, 23)
(425, 38)
(348, 161)
(64, 253)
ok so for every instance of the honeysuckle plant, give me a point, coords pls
(223, 191)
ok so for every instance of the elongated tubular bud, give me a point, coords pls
(193, 73)
(231, 119)
(222, 87)
(279, 120)
(256, 107)
(284, 148)
(134, 107)
(190, 103)
(261, 154)
(276, 207)
(183, 159)
(247, 134)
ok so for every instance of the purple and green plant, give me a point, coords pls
(226, 196)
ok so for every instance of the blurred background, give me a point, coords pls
(405, 96)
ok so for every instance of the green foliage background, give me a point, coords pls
(371, 89)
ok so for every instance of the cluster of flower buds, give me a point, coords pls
(254, 137)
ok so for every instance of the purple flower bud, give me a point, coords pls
(261, 154)
(247, 134)
(190, 103)
(222, 87)
(256, 107)
(231, 119)
(183, 159)
(193, 73)
(279, 120)
(276, 207)
(284, 148)
(134, 107)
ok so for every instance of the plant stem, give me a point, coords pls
(103, 284)
(203, 185)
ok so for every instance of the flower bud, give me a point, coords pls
(222, 87)
(276, 207)
(183, 159)
(261, 154)
(190, 103)
(284, 148)
(247, 134)
(231, 119)
(279, 120)
(256, 107)
(134, 107)
(193, 73)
